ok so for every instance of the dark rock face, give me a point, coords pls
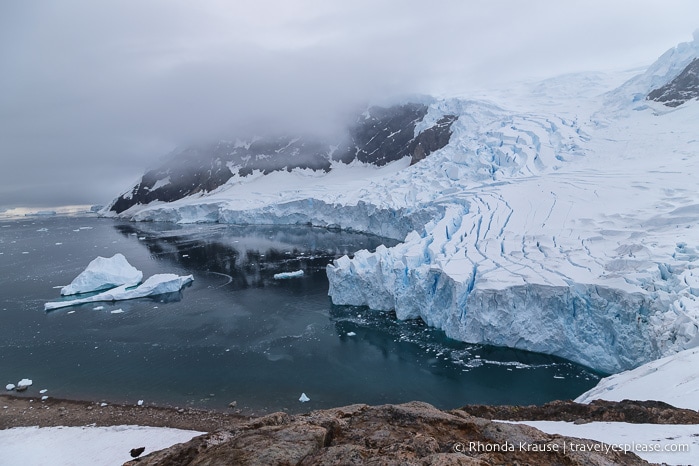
(379, 136)
(206, 167)
(683, 88)
(412, 433)
(383, 135)
(431, 139)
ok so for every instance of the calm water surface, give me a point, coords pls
(236, 333)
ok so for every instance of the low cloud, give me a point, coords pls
(95, 92)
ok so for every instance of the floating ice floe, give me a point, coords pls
(23, 384)
(104, 273)
(117, 311)
(140, 403)
(10, 387)
(304, 398)
(156, 285)
(284, 275)
(351, 334)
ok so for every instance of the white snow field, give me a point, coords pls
(673, 379)
(89, 446)
(665, 444)
(562, 218)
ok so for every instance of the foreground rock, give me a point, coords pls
(411, 433)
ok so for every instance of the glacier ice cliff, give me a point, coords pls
(561, 218)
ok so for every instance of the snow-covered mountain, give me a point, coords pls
(683, 88)
(561, 217)
(378, 137)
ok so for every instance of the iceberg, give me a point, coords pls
(285, 275)
(156, 285)
(102, 274)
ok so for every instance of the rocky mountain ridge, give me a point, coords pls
(379, 136)
(680, 90)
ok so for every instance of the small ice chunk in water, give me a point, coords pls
(284, 275)
(42, 391)
(10, 387)
(304, 398)
(117, 311)
(44, 398)
(24, 384)
(98, 308)
(140, 403)
(351, 334)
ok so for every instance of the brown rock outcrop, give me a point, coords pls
(634, 412)
(409, 434)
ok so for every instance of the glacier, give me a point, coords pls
(562, 217)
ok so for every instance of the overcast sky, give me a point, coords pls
(94, 92)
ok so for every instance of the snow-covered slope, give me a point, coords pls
(378, 137)
(673, 379)
(565, 223)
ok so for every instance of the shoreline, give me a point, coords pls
(21, 411)
(24, 411)
(392, 434)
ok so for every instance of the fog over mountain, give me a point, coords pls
(94, 93)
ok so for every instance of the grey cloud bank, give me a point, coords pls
(95, 92)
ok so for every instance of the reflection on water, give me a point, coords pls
(237, 333)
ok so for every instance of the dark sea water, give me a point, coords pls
(236, 334)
